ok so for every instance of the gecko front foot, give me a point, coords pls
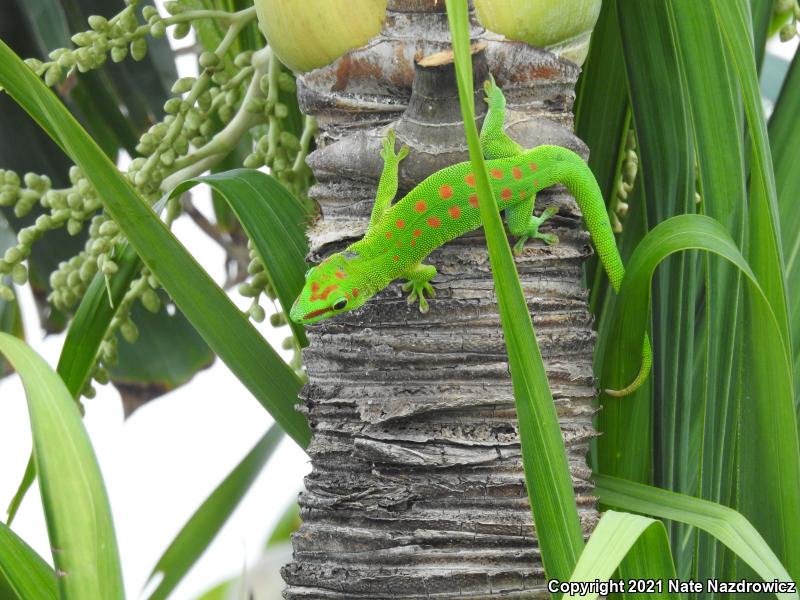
(417, 290)
(533, 231)
(387, 150)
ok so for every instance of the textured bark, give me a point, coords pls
(417, 488)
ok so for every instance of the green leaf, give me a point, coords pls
(74, 498)
(274, 220)
(206, 522)
(225, 329)
(638, 545)
(725, 524)
(24, 572)
(547, 474)
(784, 134)
(770, 412)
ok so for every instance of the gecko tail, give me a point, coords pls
(641, 377)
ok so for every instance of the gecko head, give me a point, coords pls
(332, 287)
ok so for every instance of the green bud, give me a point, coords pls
(231, 97)
(101, 375)
(12, 255)
(277, 319)
(208, 59)
(168, 158)
(183, 85)
(255, 105)
(288, 343)
(74, 279)
(787, 32)
(118, 53)
(66, 61)
(138, 49)
(74, 227)
(281, 110)
(181, 30)
(43, 222)
(129, 332)
(109, 229)
(172, 106)
(27, 236)
(255, 266)
(181, 144)
(109, 267)
(220, 78)
(6, 293)
(34, 65)
(246, 290)
(19, 274)
(243, 59)
(225, 113)
(7, 198)
(173, 7)
(148, 12)
(53, 75)
(254, 160)
(259, 280)
(88, 391)
(257, 313)
(782, 6)
(97, 22)
(286, 82)
(151, 301)
(88, 270)
(158, 29)
(289, 140)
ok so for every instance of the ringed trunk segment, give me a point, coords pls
(417, 487)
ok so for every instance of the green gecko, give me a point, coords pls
(445, 206)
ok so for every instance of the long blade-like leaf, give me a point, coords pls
(546, 469)
(22, 571)
(206, 522)
(725, 524)
(75, 503)
(225, 329)
(784, 134)
(772, 418)
(274, 220)
(636, 544)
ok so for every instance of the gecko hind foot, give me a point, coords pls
(417, 292)
(533, 232)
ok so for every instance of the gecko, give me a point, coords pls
(443, 207)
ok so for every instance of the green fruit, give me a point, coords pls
(310, 34)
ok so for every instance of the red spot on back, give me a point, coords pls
(446, 192)
(395, 257)
(516, 172)
(388, 235)
(497, 173)
(315, 287)
(417, 233)
(413, 242)
(340, 274)
(434, 221)
(400, 223)
(536, 183)
(454, 211)
(355, 292)
(420, 206)
(473, 201)
(522, 194)
(470, 179)
(533, 166)
(399, 243)
(506, 194)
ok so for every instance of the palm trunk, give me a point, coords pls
(417, 488)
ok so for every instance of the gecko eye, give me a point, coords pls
(340, 304)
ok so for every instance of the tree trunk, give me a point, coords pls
(417, 488)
